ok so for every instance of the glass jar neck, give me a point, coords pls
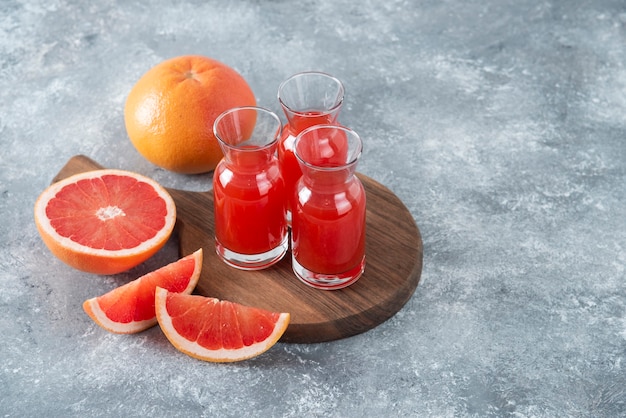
(329, 179)
(249, 159)
(300, 120)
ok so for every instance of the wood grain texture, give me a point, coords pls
(393, 255)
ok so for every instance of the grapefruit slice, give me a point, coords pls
(129, 308)
(105, 221)
(219, 331)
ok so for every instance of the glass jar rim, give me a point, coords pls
(305, 113)
(353, 160)
(243, 146)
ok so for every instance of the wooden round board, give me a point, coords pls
(393, 267)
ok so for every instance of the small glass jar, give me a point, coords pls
(328, 218)
(249, 193)
(307, 99)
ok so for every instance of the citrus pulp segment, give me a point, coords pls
(105, 221)
(218, 331)
(130, 308)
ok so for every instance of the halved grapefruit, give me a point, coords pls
(219, 331)
(105, 221)
(130, 308)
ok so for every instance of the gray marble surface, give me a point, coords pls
(501, 124)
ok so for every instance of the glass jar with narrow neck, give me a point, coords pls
(328, 217)
(248, 190)
(307, 99)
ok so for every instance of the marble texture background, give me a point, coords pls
(501, 124)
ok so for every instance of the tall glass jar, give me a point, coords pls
(328, 223)
(249, 192)
(307, 99)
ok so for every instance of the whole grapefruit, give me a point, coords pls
(169, 112)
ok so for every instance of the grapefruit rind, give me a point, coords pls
(170, 111)
(221, 355)
(99, 316)
(94, 260)
(92, 309)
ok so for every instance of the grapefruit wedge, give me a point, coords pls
(218, 331)
(129, 308)
(105, 221)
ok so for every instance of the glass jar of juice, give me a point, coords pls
(328, 217)
(307, 99)
(249, 192)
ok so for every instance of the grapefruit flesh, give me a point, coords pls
(105, 221)
(130, 308)
(219, 331)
